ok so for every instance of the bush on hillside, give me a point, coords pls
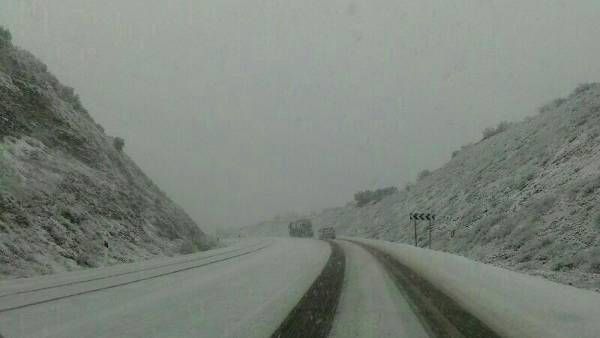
(583, 87)
(119, 144)
(363, 198)
(5, 37)
(424, 173)
(68, 94)
(490, 131)
(552, 105)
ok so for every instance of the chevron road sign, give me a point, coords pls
(422, 217)
(415, 217)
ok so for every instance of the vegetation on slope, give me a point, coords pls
(66, 187)
(524, 197)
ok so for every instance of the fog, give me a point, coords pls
(242, 109)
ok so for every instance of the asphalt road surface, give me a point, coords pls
(255, 288)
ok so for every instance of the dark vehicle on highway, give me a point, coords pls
(301, 228)
(327, 233)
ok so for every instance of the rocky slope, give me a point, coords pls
(65, 188)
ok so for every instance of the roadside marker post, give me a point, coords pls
(415, 223)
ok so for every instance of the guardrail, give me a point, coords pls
(510, 303)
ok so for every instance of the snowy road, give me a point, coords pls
(243, 291)
(297, 288)
(371, 304)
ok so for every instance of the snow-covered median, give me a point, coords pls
(511, 303)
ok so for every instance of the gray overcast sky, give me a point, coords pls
(241, 109)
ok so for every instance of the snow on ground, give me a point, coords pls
(371, 304)
(247, 296)
(10, 286)
(512, 304)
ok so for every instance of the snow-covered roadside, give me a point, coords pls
(20, 285)
(246, 296)
(511, 303)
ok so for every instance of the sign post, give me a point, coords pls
(415, 223)
(422, 216)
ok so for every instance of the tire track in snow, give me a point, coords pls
(313, 316)
(441, 315)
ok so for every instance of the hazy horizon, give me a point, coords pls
(241, 110)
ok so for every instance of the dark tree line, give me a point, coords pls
(365, 197)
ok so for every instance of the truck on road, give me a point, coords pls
(327, 233)
(301, 228)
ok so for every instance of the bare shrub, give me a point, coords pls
(5, 37)
(119, 143)
(501, 127)
(424, 173)
(583, 87)
(552, 105)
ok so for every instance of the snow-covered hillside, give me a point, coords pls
(65, 187)
(526, 198)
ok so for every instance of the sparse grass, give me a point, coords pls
(119, 143)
